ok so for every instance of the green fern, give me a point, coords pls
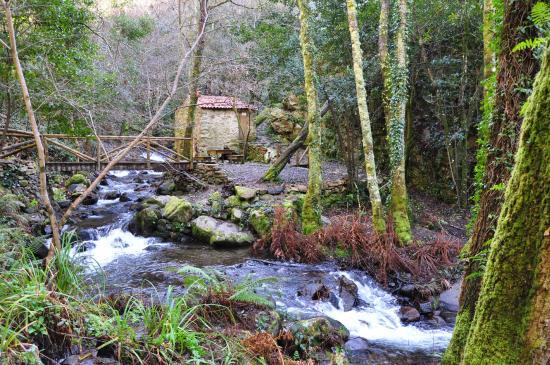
(200, 281)
(529, 44)
(540, 14)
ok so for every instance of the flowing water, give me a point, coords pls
(147, 265)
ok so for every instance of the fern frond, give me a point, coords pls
(529, 44)
(204, 277)
(252, 298)
(540, 13)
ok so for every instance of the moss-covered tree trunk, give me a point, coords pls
(368, 148)
(515, 73)
(311, 211)
(399, 86)
(510, 324)
(185, 127)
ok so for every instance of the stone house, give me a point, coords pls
(220, 122)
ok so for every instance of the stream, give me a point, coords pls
(139, 265)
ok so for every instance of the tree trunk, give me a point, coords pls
(275, 169)
(398, 106)
(187, 127)
(515, 70)
(311, 211)
(43, 186)
(8, 119)
(510, 325)
(370, 166)
(383, 46)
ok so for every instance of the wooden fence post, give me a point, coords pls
(149, 152)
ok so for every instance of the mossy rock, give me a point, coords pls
(145, 221)
(178, 210)
(10, 204)
(233, 201)
(216, 203)
(237, 215)
(77, 179)
(245, 193)
(203, 227)
(159, 201)
(260, 222)
(319, 331)
(220, 234)
(166, 188)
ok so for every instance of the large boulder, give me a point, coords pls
(76, 190)
(219, 233)
(145, 221)
(319, 332)
(178, 210)
(245, 193)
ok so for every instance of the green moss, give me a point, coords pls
(506, 328)
(77, 179)
(453, 354)
(216, 202)
(58, 194)
(399, 207)
(261, 222)
(233, 201)
(342, 253)
(178, 210)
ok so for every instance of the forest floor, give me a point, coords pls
(430, 213)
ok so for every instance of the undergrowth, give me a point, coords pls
(41, 323)
(351, 239)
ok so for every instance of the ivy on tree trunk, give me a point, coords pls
(399, 93)
(311, 212)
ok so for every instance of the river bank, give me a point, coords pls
(380, 325)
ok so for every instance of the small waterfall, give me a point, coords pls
(377, 320)
(113, 240)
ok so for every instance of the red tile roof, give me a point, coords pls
(222, 102)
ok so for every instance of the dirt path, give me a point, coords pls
(250, 173)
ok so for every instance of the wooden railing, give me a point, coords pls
(98, 149)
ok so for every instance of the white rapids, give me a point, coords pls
(378, 321)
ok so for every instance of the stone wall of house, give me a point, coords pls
(217, 128)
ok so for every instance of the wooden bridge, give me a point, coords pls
(73, 153)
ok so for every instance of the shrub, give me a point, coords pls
(351, 239)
